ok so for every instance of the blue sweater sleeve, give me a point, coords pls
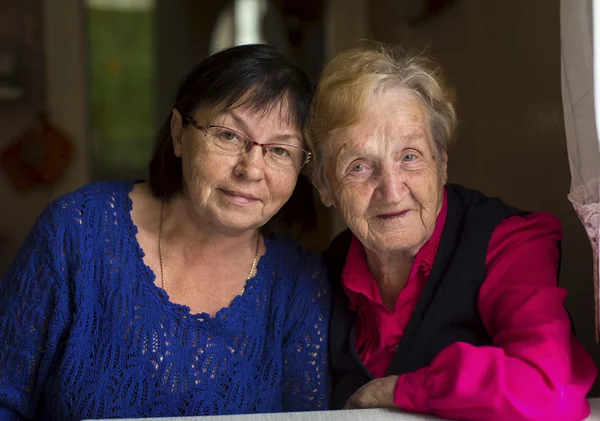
(33, 316)
(305, 385)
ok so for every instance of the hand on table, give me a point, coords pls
(378, 393)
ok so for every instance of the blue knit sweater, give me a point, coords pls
(85, 333)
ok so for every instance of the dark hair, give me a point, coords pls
(255, 76)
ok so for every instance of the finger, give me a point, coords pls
(350, 404)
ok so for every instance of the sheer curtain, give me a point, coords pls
(580, 55)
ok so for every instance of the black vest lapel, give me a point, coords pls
(450, 235)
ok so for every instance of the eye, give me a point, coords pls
(229, 136)
(409, 157)
(280, 152)
(358, 169)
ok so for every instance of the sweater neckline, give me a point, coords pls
(239, 304)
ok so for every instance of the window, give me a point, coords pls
(250, 22)
(121, 78)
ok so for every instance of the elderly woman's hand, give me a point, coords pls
(378, 393)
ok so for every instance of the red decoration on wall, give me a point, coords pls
(37, 157)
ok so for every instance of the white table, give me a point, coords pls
(595, 415)
(355, 415)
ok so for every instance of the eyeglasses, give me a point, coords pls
(234, 143)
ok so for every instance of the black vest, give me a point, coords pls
(447, 309)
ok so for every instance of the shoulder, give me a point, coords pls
(96, 194)
(293, 254)
(531, 224)
(511, 221)
(71, 211)
(78, 204)
(512, 232)
(517, 230)
(534, 237)
(477, 204)
(303, 267)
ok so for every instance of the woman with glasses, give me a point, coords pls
(168, 297)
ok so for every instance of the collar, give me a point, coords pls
(356, 275)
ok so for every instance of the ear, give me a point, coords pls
(444, 166)
(323, 188)
(177, 132)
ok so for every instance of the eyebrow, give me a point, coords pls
(241, 122)
(352, 152)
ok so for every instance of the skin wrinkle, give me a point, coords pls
(395, 170)
(248, 172)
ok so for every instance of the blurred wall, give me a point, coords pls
(503, 56)
(184, 31)
(65, 103)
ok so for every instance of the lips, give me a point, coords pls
(239, 198)
(392, 215)
(240, 194)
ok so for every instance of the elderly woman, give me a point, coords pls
(168, 298)
(445, 301)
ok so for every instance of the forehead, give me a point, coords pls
(394, 115)
(277, 114)
(395, 108)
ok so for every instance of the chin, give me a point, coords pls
(240, 226)
(231, 222)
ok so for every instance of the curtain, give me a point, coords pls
(578, 69)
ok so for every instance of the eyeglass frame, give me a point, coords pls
(250, 143)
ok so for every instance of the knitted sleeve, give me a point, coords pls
(305, 377)
(34, 315)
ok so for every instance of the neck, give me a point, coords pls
(391, 271)
(193, 234)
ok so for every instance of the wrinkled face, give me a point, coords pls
(235, 193)
(383, 175)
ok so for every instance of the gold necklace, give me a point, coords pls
(160, 259)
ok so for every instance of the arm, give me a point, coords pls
(536, 369)
(33, 315)
(305, 382)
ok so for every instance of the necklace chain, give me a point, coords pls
(160, 257)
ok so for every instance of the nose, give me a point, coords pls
(250, 165)
(391, 187)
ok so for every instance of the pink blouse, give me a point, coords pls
(536, 368)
